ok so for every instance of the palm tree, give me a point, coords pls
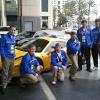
(81, 10)
(90, 4)
(70, 8)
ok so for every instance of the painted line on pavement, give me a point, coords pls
(47, 90)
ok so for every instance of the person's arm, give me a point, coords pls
(91, 36)
(53, 60)
(73, 47)
(2, 46)
(98, 38)
(25, 64)
(37, 63)
(78, 36)
(65, 64)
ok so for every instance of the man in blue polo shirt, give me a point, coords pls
(73, 46)
(96, 39)
(7, 56)
(85, 37)
(59, 63)
(30, 67)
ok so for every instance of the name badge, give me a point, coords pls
(83, 38)
(60, 62)
(32, 67)
(12, 48)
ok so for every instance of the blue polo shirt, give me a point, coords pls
(96, 35)
(8, 46)
(72, 46)
(59, 61)
(85, 37)
(28, 63)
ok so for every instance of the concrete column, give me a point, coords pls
(3, 15)
(50, 17)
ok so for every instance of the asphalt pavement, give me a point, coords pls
(86, 87)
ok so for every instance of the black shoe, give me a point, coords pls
(3, 90)
(89, 70)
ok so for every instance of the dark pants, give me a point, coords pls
(95, 55)
(85, 51)
(99, 49)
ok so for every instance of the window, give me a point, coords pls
(39, 43)
(44, 5)
(45, 21)
(58, 7)
(51, 46)
(58, 2)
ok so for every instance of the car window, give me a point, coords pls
(41, 34)
(39, 43)
(51, 46)
(44, 33)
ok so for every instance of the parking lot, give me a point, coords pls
(86, 87)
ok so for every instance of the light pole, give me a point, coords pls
(3, 15)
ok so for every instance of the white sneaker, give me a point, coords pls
(53, 82)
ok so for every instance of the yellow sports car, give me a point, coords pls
(43, 52)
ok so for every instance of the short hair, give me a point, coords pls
(57, 44)
(97, 20)
(31, 45)
(12, 26)
(83, 21)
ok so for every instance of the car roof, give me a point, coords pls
(51, 39)
(50, 31)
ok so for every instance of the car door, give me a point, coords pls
(49, 49)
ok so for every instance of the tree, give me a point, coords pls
(81, 10)
(70, 8)
(61, 19)
(90, 4)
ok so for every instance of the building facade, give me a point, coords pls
(35, 14)
(59, 4)
(29, 15)
(8, 12)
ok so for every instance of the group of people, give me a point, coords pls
(81, 44)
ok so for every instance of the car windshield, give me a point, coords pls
(39, 43)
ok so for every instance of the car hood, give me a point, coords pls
(38, 54)
(19, 53)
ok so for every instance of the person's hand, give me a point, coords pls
(78, 43)
(39, 68)
(37, 75)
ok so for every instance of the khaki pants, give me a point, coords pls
(74, 66)
(7, 64)
(58, 73)
(29, 79)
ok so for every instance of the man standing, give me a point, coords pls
(85, 37)
(73, 46)
(96, 33)
(59, 62)
(30, 67)
(7, 56)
